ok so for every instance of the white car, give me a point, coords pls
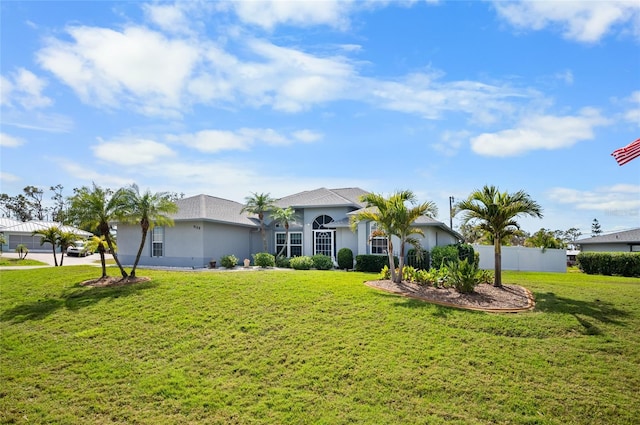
(78, 249)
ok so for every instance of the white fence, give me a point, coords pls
(524, 259)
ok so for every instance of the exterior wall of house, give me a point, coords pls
(310, 214)
(606, 247)
(224, 239)
(31, 242)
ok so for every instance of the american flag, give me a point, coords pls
(626, 154)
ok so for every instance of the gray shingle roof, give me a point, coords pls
(324, 197)
(211, 208)
(627, 236)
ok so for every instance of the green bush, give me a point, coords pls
(229, 261)
(264, 259)
(464, 276)
(283, 262)
(345, 259)
(373, 263)
(301, 263)
(418, 259)
(610, 263)
(441, 255)
(466, 252)
(322, 262)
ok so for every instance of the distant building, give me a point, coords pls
(625, 241)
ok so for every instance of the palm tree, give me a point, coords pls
(284, 216)
(259, 204)
(50, 235)
(495, 212)
(96, 208)
(98, 243)
(65, 239)
(394, 218)
(149, 210)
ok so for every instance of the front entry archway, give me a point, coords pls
(324, 240)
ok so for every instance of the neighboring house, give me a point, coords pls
(207, 228)
(626, 241)
(18, 232)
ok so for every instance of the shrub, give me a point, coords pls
(229, 261)
(264, 259)
(301, 263)
(418, 259)
(441, 255)
(610, 263)
(283, 262)
(466, 252)
(372, 263)
(22, 251)
(345, 259)
(409, 274)
(464, 276)
(487, 276)
(322, 262)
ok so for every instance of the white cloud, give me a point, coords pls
(620, 199)
(85, 175)
(539, 132)
(584, 21)
(212, 141)
(451, 142)
(136, 66)
(8, 177)
(307, 136)
(269, 13)
(132, 151)
(25, 89)
(7, 141)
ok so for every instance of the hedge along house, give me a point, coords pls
(207, 228)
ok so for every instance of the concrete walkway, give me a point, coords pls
(48, 259)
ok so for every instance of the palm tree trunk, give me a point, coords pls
(262, 232)
(103, 262)
(145, 228)
(55, 256)
(400, 262)
(107, 237)
(392, 264)
(61, 255)
(497, 266)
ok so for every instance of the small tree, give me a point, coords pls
(259, 204)
(49, 235)
(65, 239)
(22, 251)
(99, 243)
(3, 240)
(596, 230)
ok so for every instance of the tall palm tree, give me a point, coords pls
(149, 210)
(394, 218)
(100, 244)
(95, 208)
(284, 216)
(49, 235)
(495, 212)
(259, 204)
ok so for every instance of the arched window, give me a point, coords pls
(320, 222)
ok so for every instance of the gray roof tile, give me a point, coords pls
(627, 236)
(211, 208)
(323, 197)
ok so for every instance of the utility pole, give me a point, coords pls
(451, 201)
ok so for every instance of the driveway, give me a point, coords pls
(47, 257)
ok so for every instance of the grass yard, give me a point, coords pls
(269, 347)
(7, 261)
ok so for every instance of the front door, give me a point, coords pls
(323, 237)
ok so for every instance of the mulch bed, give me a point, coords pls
(508, 299)
(114, 281)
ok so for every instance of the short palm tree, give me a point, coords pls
(495, 212)
(99, 243)
(49, 235)
(65, 239)
(149, 210)
(284, 216)
(259, 204)
(96, 208)
(394, 218)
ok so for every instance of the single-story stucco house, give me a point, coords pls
(207, 228)
(18, 232)
(625, 241)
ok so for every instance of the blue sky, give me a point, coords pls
(229, 98)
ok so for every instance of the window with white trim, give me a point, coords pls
(378, 243)
(295, 244)
(157, 241)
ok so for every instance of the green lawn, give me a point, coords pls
(6, 261)
(312, 348)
